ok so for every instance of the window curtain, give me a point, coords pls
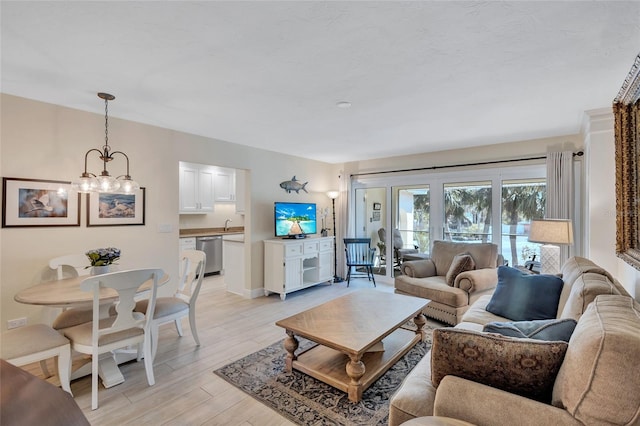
(560, 191)
(341, 221)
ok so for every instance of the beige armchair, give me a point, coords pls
(427, 278)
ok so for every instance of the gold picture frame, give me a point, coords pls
(626, 110)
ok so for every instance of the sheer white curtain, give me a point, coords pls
(560, 191)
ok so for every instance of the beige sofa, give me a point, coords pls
(598, 380)
(427, 279)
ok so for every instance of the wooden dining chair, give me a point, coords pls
(126, 328)
(183, 302)
(359, 255)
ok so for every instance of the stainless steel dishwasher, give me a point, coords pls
(212, 246)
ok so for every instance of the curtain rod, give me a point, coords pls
(483, 163)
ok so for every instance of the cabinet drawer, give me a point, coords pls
(326, 245)
(187, 243)
(292, 249)
(310, 247)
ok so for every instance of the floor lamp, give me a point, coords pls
(333, 195)
(551, 233)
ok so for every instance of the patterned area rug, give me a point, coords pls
(307, 401)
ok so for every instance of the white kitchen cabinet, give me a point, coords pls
(196, 188)
(233, 262)
(187, 243)
(224, 185)
(291, 265)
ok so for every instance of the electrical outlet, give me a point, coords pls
(15, 323)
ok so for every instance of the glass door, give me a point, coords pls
(411, 234)
(370, 217)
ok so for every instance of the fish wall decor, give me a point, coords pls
(293, 185)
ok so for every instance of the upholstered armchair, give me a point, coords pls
(453, 277)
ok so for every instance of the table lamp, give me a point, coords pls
(551, 233)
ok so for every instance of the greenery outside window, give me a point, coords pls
(522, 201)
(467, 211)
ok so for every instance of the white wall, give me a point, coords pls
(600, 205)
(45, 141)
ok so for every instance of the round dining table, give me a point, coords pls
(66, 293)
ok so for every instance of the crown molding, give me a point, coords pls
(630, 90)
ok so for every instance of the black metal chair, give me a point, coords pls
(359, 254)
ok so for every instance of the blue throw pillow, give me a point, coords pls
(553, 330)
(524, 297)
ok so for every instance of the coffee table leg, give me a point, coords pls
(290, 345)
(420, 320)
(355, 370)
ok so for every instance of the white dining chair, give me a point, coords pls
(126, 328)
(183, 302)
(38, 342)
(71, 265)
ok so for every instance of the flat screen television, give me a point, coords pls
(294, 220)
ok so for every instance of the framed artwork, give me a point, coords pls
(109, 209)
(376, 206)
(626, 112)
(375, 217)
(35, 202)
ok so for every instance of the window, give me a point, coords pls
(413, 217)
(473, 206)
(467, 212)
(522, 200)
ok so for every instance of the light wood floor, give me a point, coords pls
(186, 390)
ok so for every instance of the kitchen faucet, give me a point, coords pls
(226, 224)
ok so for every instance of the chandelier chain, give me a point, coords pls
(106, 123)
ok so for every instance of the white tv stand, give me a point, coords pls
(294, 264)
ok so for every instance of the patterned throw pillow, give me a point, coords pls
(523, 297)
(461, 262)
(521, 366)
(540, 329)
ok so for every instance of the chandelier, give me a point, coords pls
(90, 182)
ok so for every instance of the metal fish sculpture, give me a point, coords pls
(293, 185)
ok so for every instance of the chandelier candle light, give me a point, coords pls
(89, 182)
(551, 233)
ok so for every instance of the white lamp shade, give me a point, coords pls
(333, 194)
(551, 231)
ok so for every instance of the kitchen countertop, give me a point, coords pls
(207, 232)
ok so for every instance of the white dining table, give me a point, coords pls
(66, 293)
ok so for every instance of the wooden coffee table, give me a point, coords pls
(359, 338)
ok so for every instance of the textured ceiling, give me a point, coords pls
(421, 76)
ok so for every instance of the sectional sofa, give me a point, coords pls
(598, 380)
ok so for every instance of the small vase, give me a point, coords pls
(99, 270)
